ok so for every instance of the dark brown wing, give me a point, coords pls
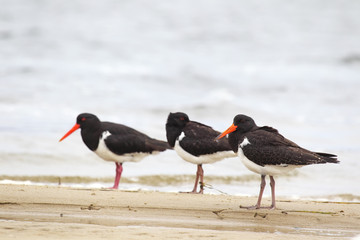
(124, 139)
(199, 140)
(271, 148)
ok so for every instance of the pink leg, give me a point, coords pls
(119, 170)
(272, 184)
(262, 187)
(201, 174)
(196, 180)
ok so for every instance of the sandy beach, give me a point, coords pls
(44, 212)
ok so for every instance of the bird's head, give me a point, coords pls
(83, 121)
(241, 124)
(174, 126)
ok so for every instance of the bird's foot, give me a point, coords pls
(108, 188)
(258, 207)
(193, 192)
(250, 207)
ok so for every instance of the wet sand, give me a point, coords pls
(44, 212)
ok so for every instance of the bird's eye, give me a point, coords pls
(83, 119)
(182, 118)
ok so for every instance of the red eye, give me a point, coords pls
(83, 119)
(182, 118)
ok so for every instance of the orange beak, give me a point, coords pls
(229, 130)
(74, 128)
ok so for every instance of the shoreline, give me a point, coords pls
(39, 212)
(129, 184)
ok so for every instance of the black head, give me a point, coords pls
(177, 119)
(87, 120)
(243, 123)
(174, 125)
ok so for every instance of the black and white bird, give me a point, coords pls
(115, 142)
(194, 142)
(265, 151)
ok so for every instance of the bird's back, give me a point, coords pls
(198, 140)
(267, 146)
(124, 139)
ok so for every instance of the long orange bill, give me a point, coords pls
(229, 130)
(74, 128)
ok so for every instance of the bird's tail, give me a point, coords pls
(165, 145)
(330, 158)
(159, 145)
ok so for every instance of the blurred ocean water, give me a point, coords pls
(294, 66)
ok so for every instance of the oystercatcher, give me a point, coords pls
(194, 142)
(115, 142)
(265, 151)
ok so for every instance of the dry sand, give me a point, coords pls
(43, 212)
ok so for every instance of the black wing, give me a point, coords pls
(124, 139)
(199, 140)
(269, 147)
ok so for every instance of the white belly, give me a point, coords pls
(103, 152)
(208, 158)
